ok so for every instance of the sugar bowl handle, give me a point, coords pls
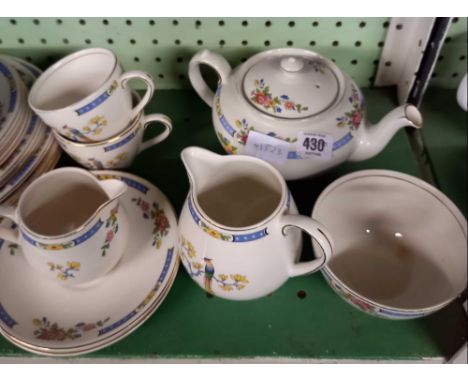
(319, 233)
(8, 234)
(216, 62)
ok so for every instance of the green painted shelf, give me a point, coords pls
(445, 137)
(304, 319)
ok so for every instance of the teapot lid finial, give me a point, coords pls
(292, 64)
(291, 85)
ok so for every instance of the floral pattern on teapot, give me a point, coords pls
(207, 271)
(227, 146)
(244, 129)
(241, 130)
(353, 118)
(263, 97)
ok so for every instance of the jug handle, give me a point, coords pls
(319, 233)
(216, 62)
(9, 234)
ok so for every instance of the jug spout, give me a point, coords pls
(201, 165)
(375, 137)
(113, 188)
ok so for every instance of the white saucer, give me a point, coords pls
(12, 138)
(29, 140)
(26, 169)
(13, 102)
(40, 316)
(28, 72)
(48, 163)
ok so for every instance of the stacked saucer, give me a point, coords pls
(48, 319)
(27, 147)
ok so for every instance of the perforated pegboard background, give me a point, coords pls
(452, 62)
(163, 46)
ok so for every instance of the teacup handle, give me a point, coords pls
(137, 74)
(215, 61)
(319, 233)
(8, 234)
(147, 120)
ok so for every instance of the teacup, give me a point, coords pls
(118, 151)
(84, 95)
(69, 225)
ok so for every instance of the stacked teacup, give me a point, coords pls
(94, 116)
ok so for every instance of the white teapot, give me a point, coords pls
(295, 109)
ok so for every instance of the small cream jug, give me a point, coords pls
(70, 226)
(236, 236)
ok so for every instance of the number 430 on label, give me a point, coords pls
(315, 145)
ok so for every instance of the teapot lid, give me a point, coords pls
(291, 85)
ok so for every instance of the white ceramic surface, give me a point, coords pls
(118, 151)
(85, 96)
(236, 227)
(400, 244)
(297, 97)
(83, 322)
(71, 229)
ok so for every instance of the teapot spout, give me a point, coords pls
(375, 137)
(201, 165)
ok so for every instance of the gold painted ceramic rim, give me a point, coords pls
(36, 87)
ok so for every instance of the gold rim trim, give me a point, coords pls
(68, 142)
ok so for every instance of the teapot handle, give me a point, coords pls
(319, 233)
(216, 62)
